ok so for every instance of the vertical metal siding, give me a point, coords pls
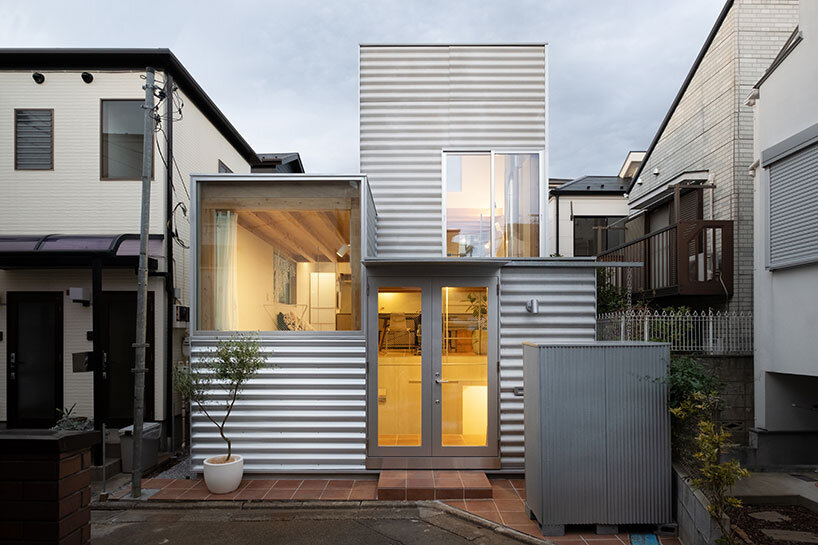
(604, 430)
(304, 411)
(793, 203)
(567, 297)
(416, 101)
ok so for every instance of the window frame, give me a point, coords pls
(102, 101)
(492, 152)
(596, 242)
(222, 168)
(53, 144)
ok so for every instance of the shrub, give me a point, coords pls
(235, 361)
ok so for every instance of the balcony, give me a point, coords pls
(687, 258)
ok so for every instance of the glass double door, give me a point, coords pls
(433, 367)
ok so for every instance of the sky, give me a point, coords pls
(285, 72)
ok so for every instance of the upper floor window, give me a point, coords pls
(492, 211)
(589, 229)
(224, 169)
(33, 139)
(123, 124)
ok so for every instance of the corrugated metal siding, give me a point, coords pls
(793, 202)
(416, 101)
(371, 226)
(304, 411)
(604, 430)
(567, 299)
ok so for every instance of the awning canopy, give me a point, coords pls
(61, 251)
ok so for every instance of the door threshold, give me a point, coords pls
(433, 462)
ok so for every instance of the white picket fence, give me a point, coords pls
(707, 332)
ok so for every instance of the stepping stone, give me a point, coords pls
(770, 516)
(791, 535)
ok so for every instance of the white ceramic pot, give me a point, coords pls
(225, 477)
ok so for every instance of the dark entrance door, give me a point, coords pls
(118, 336)
(34, 361)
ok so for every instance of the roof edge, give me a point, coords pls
(685, 84)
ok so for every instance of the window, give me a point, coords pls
(587, 229)
(33, 139)
(224, 169)
(121, 139)
(279, 256)
(492, 212)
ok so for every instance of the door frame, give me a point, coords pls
(14, 298)
(432, 454)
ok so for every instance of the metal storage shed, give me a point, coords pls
(597, 434)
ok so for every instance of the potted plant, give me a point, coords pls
(233, 363)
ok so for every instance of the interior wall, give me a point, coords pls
(255, 282)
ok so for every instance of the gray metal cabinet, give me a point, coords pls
(597, 434)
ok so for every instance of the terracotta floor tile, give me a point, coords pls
(392, 483)
(279, 494)
(448, 483)
(510, 518)
(480, 505)
(261, 483)
(458, 504)
(311, 484)
(182, 484)
(194, 494)
(365, 483)
(307, 494)
(475, 493)
(493, 516)
(394, 473)
(509, 505)
(224, 497)
(157, 484)
(291, 484)
(420, 483)
(198, 485)
(666, 540)
(392, 494)
(336, 493)
(419, 474)
(449, 494)
(363, 494)
(518, 483)
(248, 493)
(609, 540)
(446, 474)
(501, 483)
(167, 494)
(420, 494)
(340, 483)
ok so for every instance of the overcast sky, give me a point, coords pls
(284, 72)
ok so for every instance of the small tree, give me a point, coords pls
(235, 361)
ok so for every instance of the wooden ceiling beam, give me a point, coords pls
(301, 232)
(281, 240)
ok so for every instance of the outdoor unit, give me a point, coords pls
(597, 434)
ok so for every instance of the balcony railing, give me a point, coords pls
(688, 258)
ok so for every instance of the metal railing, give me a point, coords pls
(706, 332)
(687, 258)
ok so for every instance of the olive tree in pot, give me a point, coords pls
(233, 363)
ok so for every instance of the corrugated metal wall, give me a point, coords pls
(416, 101)
(567, 312)
(304, 411)
(371, 226)
(617, 469)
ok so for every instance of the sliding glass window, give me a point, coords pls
(492, 211)
(279, 256)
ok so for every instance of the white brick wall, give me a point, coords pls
(712, 129)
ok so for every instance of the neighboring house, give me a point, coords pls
(70, 170)
(587, 215)
(691, 215)
(394, 323)
(786, 243)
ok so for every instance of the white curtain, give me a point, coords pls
(226, 311)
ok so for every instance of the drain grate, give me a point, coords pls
(806, 478)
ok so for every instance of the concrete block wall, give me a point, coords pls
(696, 525)
(712, 129)
(736, 372)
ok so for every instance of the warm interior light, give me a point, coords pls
(342, 251)
(475, 414)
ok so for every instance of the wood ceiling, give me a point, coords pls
(301, 235)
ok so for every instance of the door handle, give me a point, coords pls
(444, 381)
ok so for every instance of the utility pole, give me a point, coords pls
(142, 289)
